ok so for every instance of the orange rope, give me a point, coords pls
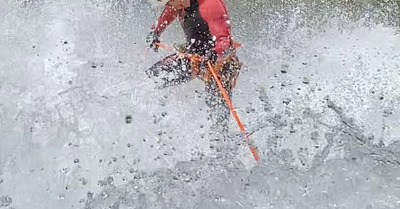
(234, 113)
(164, 46)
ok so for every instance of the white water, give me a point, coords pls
(70, 71)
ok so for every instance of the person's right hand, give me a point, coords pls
(152, 40)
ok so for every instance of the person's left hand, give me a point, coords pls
(152, 40)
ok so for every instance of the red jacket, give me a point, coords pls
(206, 25)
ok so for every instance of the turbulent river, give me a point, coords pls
(319, 92)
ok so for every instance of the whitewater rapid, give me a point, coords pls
(322, 103)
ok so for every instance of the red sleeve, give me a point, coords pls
(214, 12)
(169, 14)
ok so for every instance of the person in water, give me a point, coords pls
(206, 25)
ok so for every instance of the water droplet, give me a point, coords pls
(89, 195)
(110, 180)
(65, 170)
(61, 196)
(128, 119)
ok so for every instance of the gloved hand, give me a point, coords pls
(152, 41)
